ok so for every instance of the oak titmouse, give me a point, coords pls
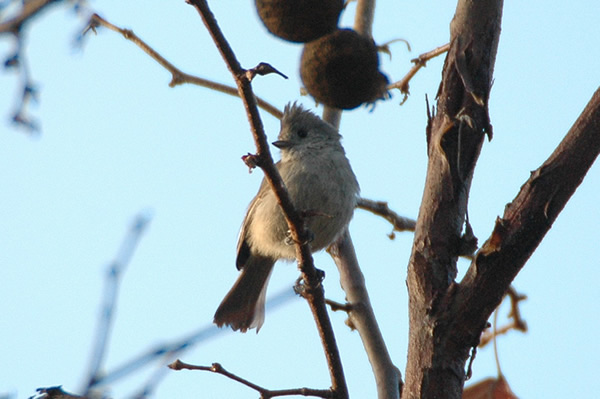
(320, 183)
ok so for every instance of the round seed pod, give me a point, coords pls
(299, 20)
(342, 70)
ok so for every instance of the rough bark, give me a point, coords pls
(525, 222)
(455, 135)
(446, 318)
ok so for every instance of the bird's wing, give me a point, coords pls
(243, 249)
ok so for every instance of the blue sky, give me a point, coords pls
(117, 141)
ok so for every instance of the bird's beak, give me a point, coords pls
(281, 144)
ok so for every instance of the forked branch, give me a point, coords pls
(419, 63)
(455, 134)
(264, 392)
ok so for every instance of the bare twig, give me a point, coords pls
(335, 306)
(178, 77)
(399, 223)
(419, 63)
(264, 392)
(385, 47)
(111, 289)
(381, 208)
(312, 279)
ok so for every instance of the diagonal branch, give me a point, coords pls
(362, 317)
(113, 280)
(178, 77)
(527, 219)
(312, 279)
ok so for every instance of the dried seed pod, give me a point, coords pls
(300, 20)
(342, 70)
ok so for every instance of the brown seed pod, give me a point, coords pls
(300, 20)
(342, 70)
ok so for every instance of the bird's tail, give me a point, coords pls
(244, 306)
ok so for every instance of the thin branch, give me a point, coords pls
(419, 62)
(313, 287)
(381, 208)
(385, 47)
(399, 223)
(178, 77)
(362, 318)
(264, 392)
(336, 306)
(111, 290)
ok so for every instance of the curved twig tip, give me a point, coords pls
(263, 69)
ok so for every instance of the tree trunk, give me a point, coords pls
(455, 134)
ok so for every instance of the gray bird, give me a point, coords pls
(320, 183)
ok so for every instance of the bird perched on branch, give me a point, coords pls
(321, 185)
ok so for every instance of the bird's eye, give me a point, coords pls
(302, 133)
